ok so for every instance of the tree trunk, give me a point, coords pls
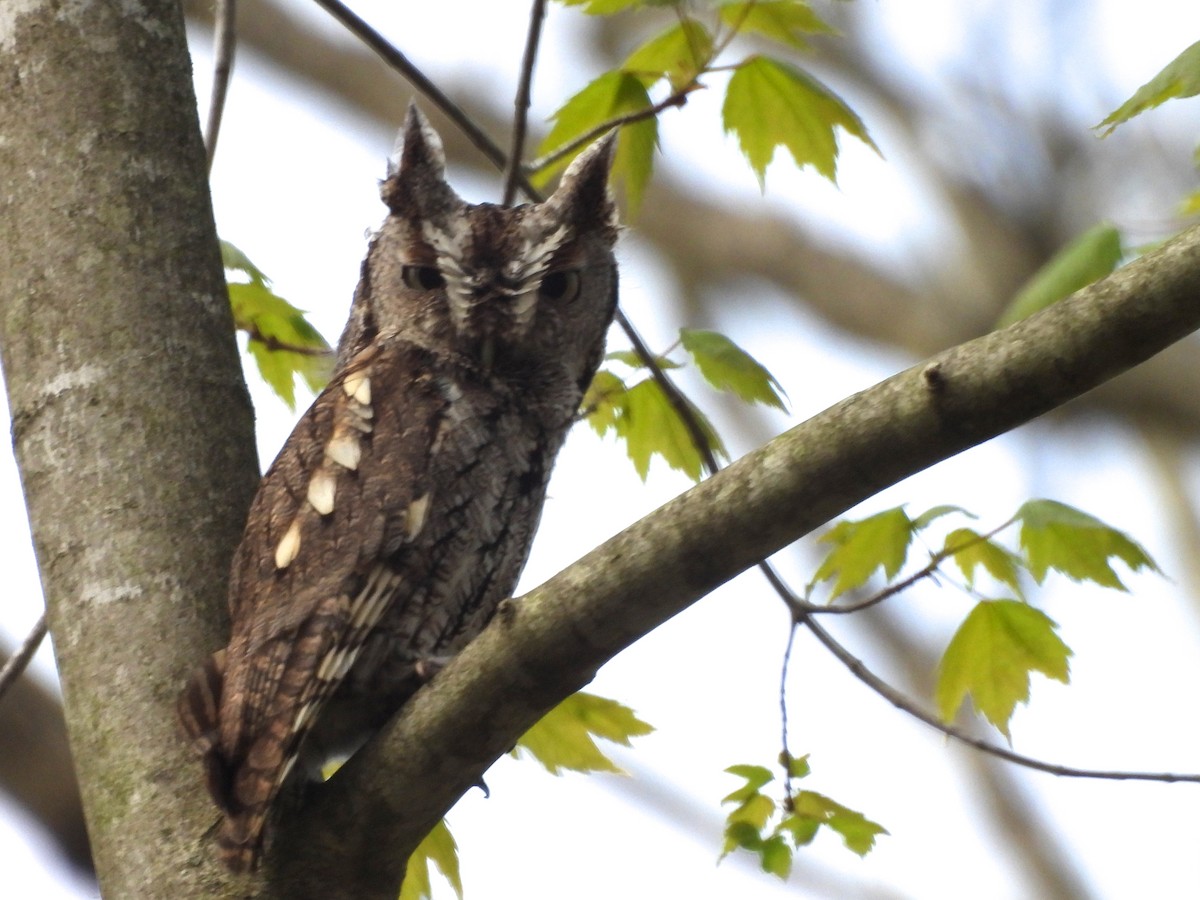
(131, 421)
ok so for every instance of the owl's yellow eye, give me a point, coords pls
(561, 286)
(422, 278)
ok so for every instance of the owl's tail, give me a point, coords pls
(199, 708)
(241, 834)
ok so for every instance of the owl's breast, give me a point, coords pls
(486, 475)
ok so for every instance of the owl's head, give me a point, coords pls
(511, 289)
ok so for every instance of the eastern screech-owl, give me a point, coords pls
(400, 511)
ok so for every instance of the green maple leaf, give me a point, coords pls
(1179, 78)
(1091, 256)
(991, 657)
(728, 367)
(611, 96)
(1060, 537)
(810, 809)
(971, 551)
(283, 344)
(438, 848)
(565, 738)
(679, 54)
(770, 104)
(786, 21)
(862, 547)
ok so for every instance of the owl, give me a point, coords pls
(400, 511)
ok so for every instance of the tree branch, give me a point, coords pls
(224, 45)
(16, 664)
(396, 60)
(353, 838)
(903, 703)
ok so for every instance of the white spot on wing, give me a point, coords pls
(321, 488)
(414, 516)
(358, 386)
(363, 394)
(286, 769)
(289, 546)
(344, 450)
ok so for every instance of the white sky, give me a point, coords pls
(708, 679)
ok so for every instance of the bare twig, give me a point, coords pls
(224, 44)
(512, 169)
(786, 753)
(421, 83)
(679, 98)
(905, 704)
(16, 664)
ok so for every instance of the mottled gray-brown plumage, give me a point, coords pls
(400, 511)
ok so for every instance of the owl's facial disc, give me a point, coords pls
(493, 280)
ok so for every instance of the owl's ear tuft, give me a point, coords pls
(583, 199)
(416, 184)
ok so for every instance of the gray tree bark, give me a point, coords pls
(132, 425)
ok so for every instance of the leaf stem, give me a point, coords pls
(273, 343)
(678, 98)
(935, 560)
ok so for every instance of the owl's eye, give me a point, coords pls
(561, 286)
(422, 278)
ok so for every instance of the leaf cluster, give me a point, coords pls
(641, 413)
(774, 831)
(769, 101)
(1003, 639)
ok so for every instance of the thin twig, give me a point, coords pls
(724, 40)
(798, 605)
(415, 77)
(537, 16)
(679, 403)
(905, 704)
(273, 343)
(679, 98)
(16, 664)
(786, 753)
(224, 45)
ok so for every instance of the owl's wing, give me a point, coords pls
(313, 574)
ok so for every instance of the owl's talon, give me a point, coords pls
(428, 666)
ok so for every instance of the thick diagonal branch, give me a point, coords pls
(550, 643)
